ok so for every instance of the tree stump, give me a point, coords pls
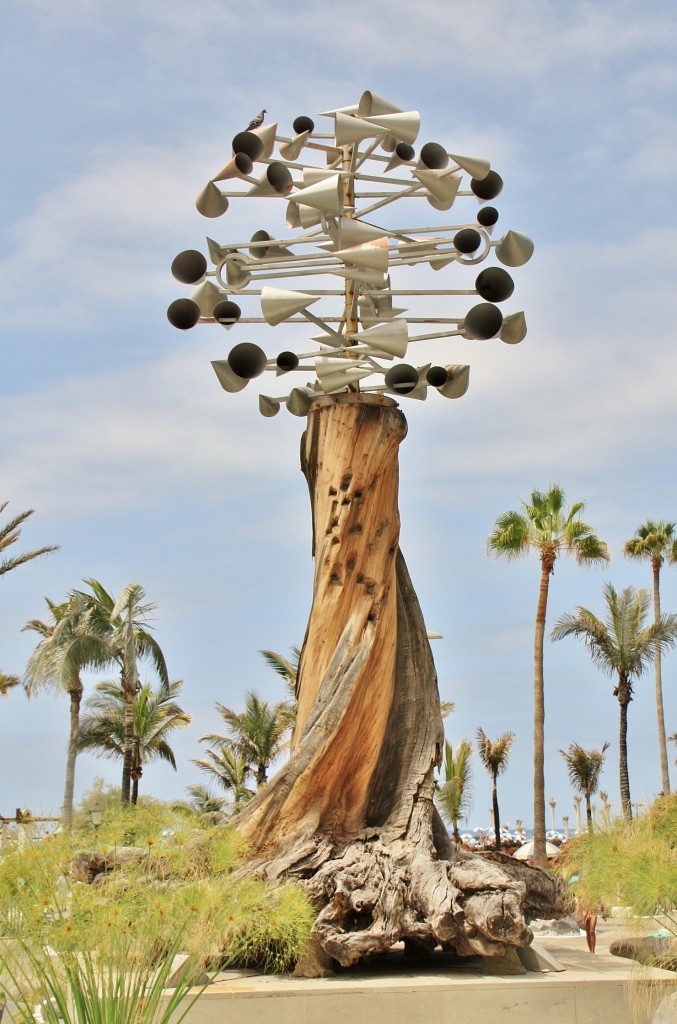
(351, 813)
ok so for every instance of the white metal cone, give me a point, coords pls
(391, 337)
(476, 166)
(405, 126)
(440, 204)
(211, 202)
(231, 170)
(351, 109)
(440, 184)
(299, 401)
(290, 150)
(395, 161)
(327, 339)
(268, 406)
(266, 132)
(326, 195)
(278, 304)
(216, 251)
(341, 379)
(237, 274)
(207, 295)
(355, 232)
(353, 129)
(457, 385)
(300, 216)
(377, 314)
(514, 249)
(374, 256)
(371, 104)
(367, 276)
(420, 392)
(311, 175)
(327, 365)
(276, 181)
(228, 380)
(514, 328)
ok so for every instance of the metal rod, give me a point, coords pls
(391, 199)
(359, 158)
(390, 181)
(321, 324)
(440, 334)
(309, 236)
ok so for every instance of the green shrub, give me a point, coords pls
(630, 864)
(68, 944)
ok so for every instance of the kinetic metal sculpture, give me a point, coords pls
(351, 813)
(331, 204)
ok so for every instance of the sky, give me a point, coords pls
(113, 427)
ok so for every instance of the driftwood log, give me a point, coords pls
(352, 813)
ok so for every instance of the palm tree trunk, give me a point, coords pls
(135, 790)
(497, 819)
(69, 786)
(128, 758)
(660, 715)
(624, 700)
(588, 811)
(540, 857)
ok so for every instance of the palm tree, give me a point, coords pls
(454, 795)
(63, 651)
(621, 646)
(202, 803)
(10, 533)
(656, 542)
(494, 757)
(584, 768)
(256, 735)
(156, 715)
(547, 526)
(229, 770)
(122, 625)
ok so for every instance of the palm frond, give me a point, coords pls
(510, 537)
(584, 767)
(10, 533)
(622, 644)
(494, 754)
(454, 792)
(7, 683)
(654, 541)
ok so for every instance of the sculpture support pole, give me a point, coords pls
(352, 812)
(368, 721)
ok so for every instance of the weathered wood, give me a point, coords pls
(352, 813)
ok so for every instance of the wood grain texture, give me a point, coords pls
(352, 812)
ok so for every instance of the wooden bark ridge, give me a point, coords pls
(352, 813)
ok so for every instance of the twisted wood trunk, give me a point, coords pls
(352, 813)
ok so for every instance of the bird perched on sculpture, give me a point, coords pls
(258, 120)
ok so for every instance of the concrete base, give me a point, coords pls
(394, 990)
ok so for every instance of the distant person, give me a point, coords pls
(587, 917)
(590, 925)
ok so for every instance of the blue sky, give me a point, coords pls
(114, 428)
